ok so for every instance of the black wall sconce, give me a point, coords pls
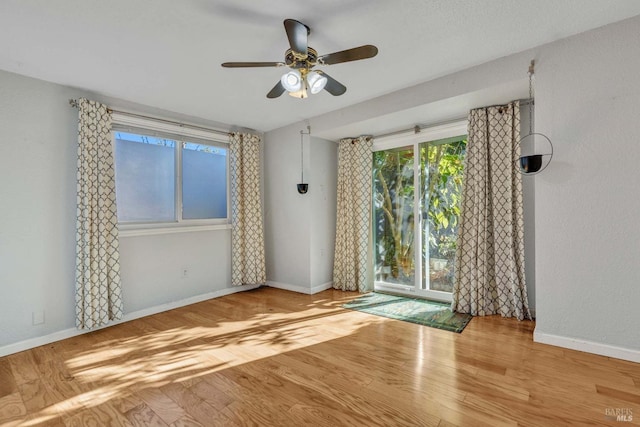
(302, 187)
(534, 163)
(531, 163)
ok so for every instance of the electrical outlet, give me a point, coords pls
(185, 272)
(37, 317)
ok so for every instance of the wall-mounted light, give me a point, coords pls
(302, 187)
(534, 163)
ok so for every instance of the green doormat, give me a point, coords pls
(420, 311)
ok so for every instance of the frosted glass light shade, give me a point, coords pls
(292, 81)
(316, 82)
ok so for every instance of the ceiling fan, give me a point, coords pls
(301, 59)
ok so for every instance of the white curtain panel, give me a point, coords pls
(247, 236)
(489, 276)
(98, 290)
(353, 225)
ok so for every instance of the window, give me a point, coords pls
(145, 178)
(417, 184)
(169, 179)
(204, 181)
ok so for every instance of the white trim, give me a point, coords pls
(320, 288)
(124, 119)
(300, 289)
(412, 292)
(73, 332)
(434, 133)
(587, 346)
(177, 181)
(288, 287)
(165, 229)
(418, 222)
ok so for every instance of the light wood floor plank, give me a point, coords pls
(198, 411)
(11, 408)
(23, 367)
(35, 395)
(7, 379)
(271, 357)
(142, 415)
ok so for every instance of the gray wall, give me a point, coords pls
(299, 228)
(152, 267)
(287, 213)
(38, 137)
(37, 189)
(587, 204)
(323, 178)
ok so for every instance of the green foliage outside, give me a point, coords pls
(441, 165)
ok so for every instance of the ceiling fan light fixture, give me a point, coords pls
(301, 81)
(292, 81)
(316, 82)
(302, 93)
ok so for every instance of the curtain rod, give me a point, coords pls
(418, 128)
(74, 104)
(524, 101)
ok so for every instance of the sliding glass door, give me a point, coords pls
(417, 191)
(394, 225)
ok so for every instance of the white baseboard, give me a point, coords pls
(588, 346)
(320, 288)
(300, 289)
(288, 287)
(72, 332)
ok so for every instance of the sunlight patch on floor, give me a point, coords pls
(116, 366)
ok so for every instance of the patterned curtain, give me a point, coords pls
(351, 260)
(247, 238)
(489, 277)
(98, 290)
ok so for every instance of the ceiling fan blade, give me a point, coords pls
(333, 86)
(297, 34)
(252, 64)
(355, 54)
(277, 90)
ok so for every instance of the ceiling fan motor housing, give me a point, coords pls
(294, 60)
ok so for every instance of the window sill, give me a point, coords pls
(128, 231)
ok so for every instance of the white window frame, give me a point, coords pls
(179, 133)
(412, 139)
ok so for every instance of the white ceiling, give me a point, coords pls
(167, 54)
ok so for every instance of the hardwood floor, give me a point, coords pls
(271, 357)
